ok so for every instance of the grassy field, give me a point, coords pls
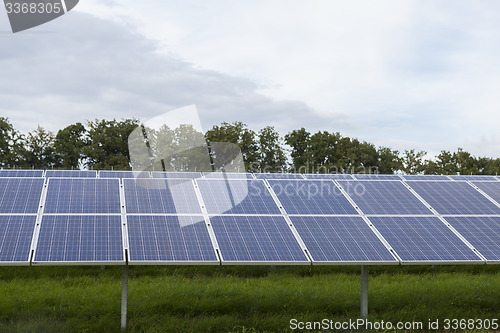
(238, 299)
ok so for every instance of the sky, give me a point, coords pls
(421, 75)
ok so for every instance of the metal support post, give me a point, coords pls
(364, 291)
(124, 297)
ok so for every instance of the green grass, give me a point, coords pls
(237, 299)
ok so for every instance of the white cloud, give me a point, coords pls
(406, 74)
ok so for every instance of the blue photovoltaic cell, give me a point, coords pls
(71, 173)
(422, 239)
(279, 176)
(490, 188)
(384, 197)
(256, 239)
(227, 175)
(16, 234)
(20, 195)
(482, 232)
(169, 239)
(327, 176)
(21, 173)
(123, 174)
(474, 178)
(237, 196)
(376, 176)
(160, 196)
(311, 197)
(80, 238)
(453, 197)
(340, 239)
(426, 177)
(169, 175)
(83, 195)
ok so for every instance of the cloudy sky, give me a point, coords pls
(403, 74)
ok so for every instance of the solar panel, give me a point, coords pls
(169, 239)
(256, 239)
(453, 197)
(335, 239)
(16, 234)
(490, 188)
(237, 196)
(425, 177)
(369, 176)
(227, 175)
(327, 176)
(311, 197)
(474, 178)
(83, 195)
(20, 195)
(80, 239)
(21, 173)
(423, 240)
(279, 176)
(160, 196)
(482, 232)
(123, 174)
(384, 197)
(71, 173)
(169, 175)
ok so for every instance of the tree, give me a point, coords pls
(191, 150)
(237, 133)
(324, 152)
(388, 160)
(11, 145)
(465, 163)
(413, 161)
(69, 146)
(299, 141)
(445, 163)
(39, 150)
(488, 166)
(107, 144)
(272, 156)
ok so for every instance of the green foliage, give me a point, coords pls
(69, 144)
(104, 144)
(39, 151)
(413, 161)
(237, 133)
(179, 149)
(238, 299)
(11, 145)
(272, 156)
(299, 141)
(107, 144)
(388, 160)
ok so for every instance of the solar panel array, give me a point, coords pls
(123, 174)
(21, 173)
(423, 239)
(82, 196)
(61, 217)
(237, 196)
(384, 197)
(328, 176)
(455, 197)
(169, 239)
(20, 195)
(311, 197)
(80, 238)
(160, 196)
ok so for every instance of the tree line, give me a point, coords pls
(103, 144)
